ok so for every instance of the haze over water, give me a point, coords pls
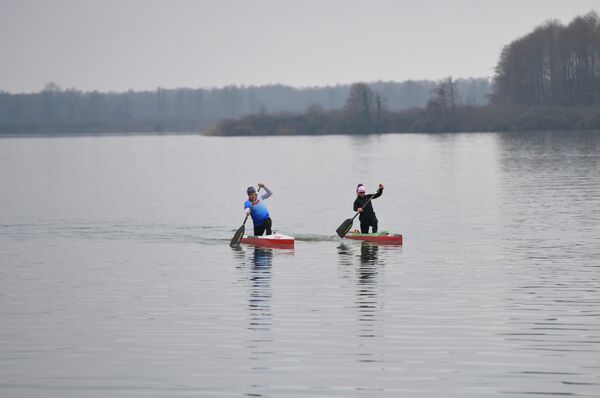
(117, 279)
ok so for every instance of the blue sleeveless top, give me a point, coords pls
(258, 212)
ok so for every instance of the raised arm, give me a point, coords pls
(379, 192)
(267, 193)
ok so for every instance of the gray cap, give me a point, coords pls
(250, 191)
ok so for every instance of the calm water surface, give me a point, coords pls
(116, 278)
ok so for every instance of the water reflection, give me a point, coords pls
(366, 263)
(549, 202)
(259, 300)
(547, 143)
(259, 313)
(258, 262)
(366, 292)
(368, 260)
(240, 255)
(345, 254)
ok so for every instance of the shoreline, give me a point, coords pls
(206, 134)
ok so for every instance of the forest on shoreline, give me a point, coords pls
(548, 79)
(433, 119)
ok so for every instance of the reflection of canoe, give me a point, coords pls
(275, 240)
(383, 237)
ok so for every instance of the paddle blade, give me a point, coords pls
(235, 241)
(344, 228)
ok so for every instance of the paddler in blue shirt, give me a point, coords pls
(363, 205)
(255, 207)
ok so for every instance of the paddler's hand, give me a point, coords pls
(380, 186)
(360, 210)
(261, 184)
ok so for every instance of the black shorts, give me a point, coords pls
(365, 224)
(258, 231)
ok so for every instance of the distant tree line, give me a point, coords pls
(546, 80)
(365, 113)
(54, 110)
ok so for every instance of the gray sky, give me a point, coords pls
(142, 44)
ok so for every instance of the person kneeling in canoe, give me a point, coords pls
(255, 207)
(363, 205)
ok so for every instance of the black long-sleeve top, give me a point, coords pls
(368, 211)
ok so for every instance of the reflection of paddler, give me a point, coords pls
(259, 301)
(368, 253)
(263, 258)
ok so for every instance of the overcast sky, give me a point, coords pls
(116, 45)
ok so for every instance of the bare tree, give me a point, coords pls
(445, 95)
(363, 108)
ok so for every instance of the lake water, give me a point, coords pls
(116, 277)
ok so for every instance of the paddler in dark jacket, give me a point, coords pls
(367, 214)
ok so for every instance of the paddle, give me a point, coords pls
(237, 237)
(347, 225)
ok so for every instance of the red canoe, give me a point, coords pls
(276, 240)
(379, 237)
